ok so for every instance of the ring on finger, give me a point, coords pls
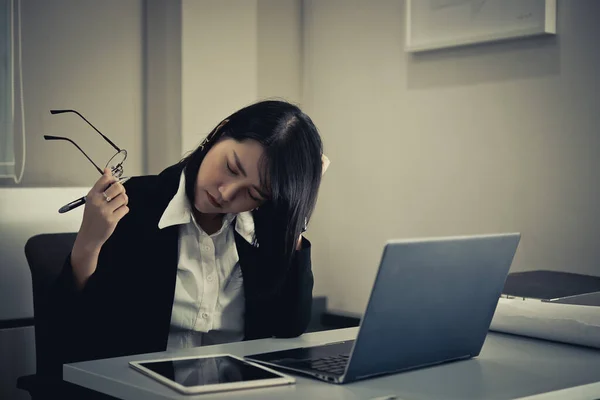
(107, 198)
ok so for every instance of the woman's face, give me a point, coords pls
(229, 178)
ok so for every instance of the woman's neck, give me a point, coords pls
(210, 223)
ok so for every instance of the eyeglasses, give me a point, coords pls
(114, 164)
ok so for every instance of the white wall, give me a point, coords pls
(18, 359)
(86, 55)
(235, 52)
(280, 49)
(219, 63)
(492, 138)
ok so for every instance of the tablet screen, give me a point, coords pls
(208, 371)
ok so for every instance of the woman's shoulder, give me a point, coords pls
(164, 182)
(153, 191)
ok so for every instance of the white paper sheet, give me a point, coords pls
(566, 323)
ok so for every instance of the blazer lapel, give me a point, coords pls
(165, 253)
(160, 252)
(248, 259)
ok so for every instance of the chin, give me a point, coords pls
(200, 208)
(208, 209)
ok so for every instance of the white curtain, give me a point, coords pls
(7, 149)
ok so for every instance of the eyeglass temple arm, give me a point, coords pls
(48, 137)
(88, 122)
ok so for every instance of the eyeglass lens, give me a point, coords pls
(115, 164)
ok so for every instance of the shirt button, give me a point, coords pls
(204, 315)
(209, 278)
(206, 248)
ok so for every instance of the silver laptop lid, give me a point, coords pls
(432, 301)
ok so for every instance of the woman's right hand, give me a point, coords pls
(105, 205)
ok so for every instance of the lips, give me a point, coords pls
(213, 201)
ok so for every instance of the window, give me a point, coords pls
(10, 68)
(7, 151)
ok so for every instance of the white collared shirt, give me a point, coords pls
(209, 304)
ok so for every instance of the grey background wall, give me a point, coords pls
(161, 87)
(501, 137)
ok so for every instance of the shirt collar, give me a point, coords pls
(179, 212)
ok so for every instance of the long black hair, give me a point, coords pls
(291, 169)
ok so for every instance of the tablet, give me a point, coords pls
(213, 373)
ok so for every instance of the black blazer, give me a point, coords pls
(125, 307)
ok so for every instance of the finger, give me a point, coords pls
(105, 180)
(120, 212)
(325, 162)
(114, 190)
(119, 201)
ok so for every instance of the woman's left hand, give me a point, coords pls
(325, 164)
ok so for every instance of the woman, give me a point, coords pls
(208, 251)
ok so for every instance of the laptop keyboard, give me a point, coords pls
(335, 365)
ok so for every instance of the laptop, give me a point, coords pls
(432, 302)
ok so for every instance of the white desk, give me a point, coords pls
(509, 367)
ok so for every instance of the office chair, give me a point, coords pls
(46, 255)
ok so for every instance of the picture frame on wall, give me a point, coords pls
(439, 24)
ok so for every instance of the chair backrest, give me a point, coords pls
(46, 255)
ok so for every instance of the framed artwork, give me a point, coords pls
(438, 24)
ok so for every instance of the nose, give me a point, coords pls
(228, 192)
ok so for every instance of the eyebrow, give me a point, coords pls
(243, 171)
(239, 164)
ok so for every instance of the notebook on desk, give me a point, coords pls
(553, 286)
(432, 302)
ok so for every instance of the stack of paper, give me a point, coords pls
(568, 323)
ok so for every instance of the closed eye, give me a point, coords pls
(253, 198)
(231, 171)
(236, 173)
